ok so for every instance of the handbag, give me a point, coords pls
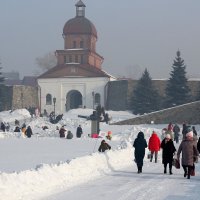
(149, 155)
(176, 163)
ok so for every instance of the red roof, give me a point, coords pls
(73, 70)
(79, 25)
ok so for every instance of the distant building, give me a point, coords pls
(78, 79)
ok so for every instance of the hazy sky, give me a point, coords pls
(132, 34)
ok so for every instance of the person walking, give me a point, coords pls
(169, 149)
(189, 154)
(176, 130)
(198, 145)
(184, 130)
(154, 146)
(140, 144)
(79, 131)
(170, 127)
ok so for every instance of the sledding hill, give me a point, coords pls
(189, 113)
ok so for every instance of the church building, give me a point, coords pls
(78, 79)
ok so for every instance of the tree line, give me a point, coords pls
(146, 99)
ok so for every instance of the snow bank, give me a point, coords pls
(48, 179)
(10, 116)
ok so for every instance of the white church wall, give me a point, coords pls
(59, 88)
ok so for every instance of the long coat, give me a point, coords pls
(168, 151)
(189, 152)
(198, 145)
(29, 132)
(140, 144)
(154, 143)
(79, 132)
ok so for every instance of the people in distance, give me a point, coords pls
(139, 144)
(189, 151)
(79, 131)
(154, 146)
(169, 149)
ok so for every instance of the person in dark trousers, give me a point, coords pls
(29, 132)
(189, 154)
(168, 152)
(62, 132)
(176, 130)
(104, 146)
(79, 131)
(140, 144)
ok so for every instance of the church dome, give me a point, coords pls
(79, 25)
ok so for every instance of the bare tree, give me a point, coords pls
(46, 62)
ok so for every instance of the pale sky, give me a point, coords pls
(132, 34)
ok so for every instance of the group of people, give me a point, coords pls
(69, 135)
(189, 148)
(26, 131)
(5, 126)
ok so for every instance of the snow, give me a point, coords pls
(47, 167)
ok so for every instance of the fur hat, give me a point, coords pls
(189, 134)
(168, 136)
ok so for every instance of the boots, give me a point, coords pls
(165, 170)
(170, 170)
(151, 158)
(139, 170)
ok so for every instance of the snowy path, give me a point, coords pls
(128, 185)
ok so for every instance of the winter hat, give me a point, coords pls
(189, 134)
(168, 136)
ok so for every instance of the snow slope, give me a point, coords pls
(47, 167)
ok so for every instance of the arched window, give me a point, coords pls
(48, 99)
(97, 99)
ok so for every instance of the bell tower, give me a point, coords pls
(80, 9)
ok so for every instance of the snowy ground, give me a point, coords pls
(46, 167)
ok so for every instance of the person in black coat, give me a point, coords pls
(184, 130)
(198, 145)
(140, 144)
(168, 152)
(29, 132)
(104, 146)
(79, 131)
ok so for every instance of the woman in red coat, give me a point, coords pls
(154, 146)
